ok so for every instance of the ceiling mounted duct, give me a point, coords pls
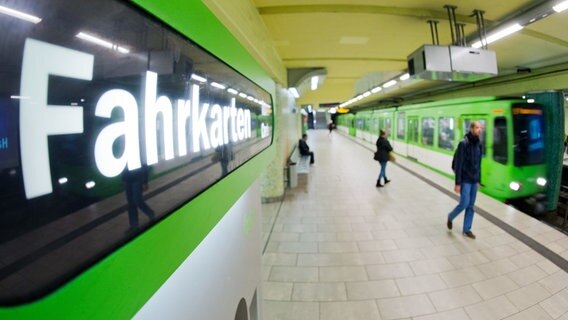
(455, 62)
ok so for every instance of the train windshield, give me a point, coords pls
(528, 134)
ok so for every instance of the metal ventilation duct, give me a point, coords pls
(452, 63)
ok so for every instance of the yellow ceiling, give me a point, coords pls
(352, 39)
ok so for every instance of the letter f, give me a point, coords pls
(39, 120)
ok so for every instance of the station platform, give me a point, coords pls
(337, 247)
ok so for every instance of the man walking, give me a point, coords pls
(467, 162)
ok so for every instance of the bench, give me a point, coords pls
(298, 165)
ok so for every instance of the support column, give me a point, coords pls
(553, 102)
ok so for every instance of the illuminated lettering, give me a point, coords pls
(4, 143)
(152, 108)
(105, 160)
(216, 131)
(198, 121)
(183, 113)
(38, 120)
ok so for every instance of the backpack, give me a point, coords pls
(465, 142)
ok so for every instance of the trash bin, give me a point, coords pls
(292, 175)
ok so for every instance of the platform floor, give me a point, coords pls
(337, 247)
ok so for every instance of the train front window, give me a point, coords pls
(528, 134)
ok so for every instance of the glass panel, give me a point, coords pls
(446, 134)
(413, 130)
(428, 127)
(500, 140)
(114, 122)
(400, 126)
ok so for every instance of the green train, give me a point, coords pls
(513, 163)
(131, 137)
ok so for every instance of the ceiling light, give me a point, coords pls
(198, 78)
(243, 95)
(366, 94)
(314, 83)
(90, 185)
(376, 89)
(561, 6)
(405, 76)
(101, 42)
(498, 35)
(217, 85)
(232, 91)
(530, 100)
(19, 15)
(294, 92)
(389, 84)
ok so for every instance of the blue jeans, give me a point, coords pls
(467, 201)
(383, 172)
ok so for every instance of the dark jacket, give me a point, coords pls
(468, 160)
(304, 149)
(383, 149)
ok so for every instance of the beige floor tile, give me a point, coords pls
(279, 259)
(411, 306)
(405, 255)
(337, 247)
(556, 305)
(351, 310)
(497, 268)
(389, 271)
(371, 289)
(333, 291)
(420, 284)
(340, 259)
(457, 314)
(280, 291)
(454, 298)
(555, 282)
(533, 313)
(528, 296)
(494, 309)
(468, 260)
(431, 266)
(494, 287)
(293, 274)
(527, 275)
(342, 274)
(282, 310)
(460, 277)
(378, 245)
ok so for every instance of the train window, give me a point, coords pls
(101, 107)
(528, 134)
(446, 133)
(400, 126)
(428, 126)
(387, 125)
(500, 140)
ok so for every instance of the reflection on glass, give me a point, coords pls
(428, 125)
(446, 133)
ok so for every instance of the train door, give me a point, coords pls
(412, 137)
(482, 119)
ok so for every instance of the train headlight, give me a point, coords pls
(515, 186)
(541, 182)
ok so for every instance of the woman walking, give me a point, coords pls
(383, 150)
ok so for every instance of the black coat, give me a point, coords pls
(383, 149)
(468, 160)
(304, 148)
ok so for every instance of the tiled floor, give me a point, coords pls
(340, 248)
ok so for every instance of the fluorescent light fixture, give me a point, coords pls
(251, 98)
(101, 42)
(541, 181)
(63, 180)
(405, 76)
(314, 82)
(561, 6)
(232, 91)
(498, 35)
(19, 97)
(389, 84)
(198, 78)
(243, 95)
(90, 185)
(376, 89)
(294, 92)
(217, 85)
(359, 97)
(530, 100)
(20, 15)
(366, 94)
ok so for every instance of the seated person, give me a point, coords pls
(305, 149)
